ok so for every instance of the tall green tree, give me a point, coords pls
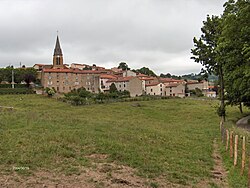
(123, 66)
(112, 88)
(146, 71)
(206, 53)
(235, 42)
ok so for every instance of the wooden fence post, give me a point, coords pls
(243, 158)
(235, 149)
(248, 170)
(221, 124)
(227, 132)
(231, 144)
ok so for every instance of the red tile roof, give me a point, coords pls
(65, 70)
(108, 76)
(194, 82)
(173, 85)
(211, 87)
(152, 84)
(120, 79)
(146, 78)
(141, 75)
(165, 80)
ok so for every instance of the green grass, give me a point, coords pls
(172, 138)
(235, 179)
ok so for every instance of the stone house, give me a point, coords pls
(175, 90)
(155, 89)
(166, 89)
(131, 84)
(203, 85)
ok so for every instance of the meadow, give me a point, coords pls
(168, 139)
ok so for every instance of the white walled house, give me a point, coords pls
(166, 89)
(104, 84)
(145, 81)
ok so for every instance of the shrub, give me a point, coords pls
(4, 91)
(10, 86)
(50, 91)
(77, 100)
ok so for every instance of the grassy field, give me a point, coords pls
(171, 139)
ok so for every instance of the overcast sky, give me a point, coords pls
(154, 33)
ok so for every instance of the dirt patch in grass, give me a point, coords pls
(100, 174)
(219, 174)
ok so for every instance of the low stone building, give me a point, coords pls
(155, 89)
(175, 90)
(131, 84)
(166, 89)
(203, 85)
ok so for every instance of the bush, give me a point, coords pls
(50, 91)
(197, 92)
(77, 100)
(10, 86)
(4, 91)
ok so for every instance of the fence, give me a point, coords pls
(231, 141)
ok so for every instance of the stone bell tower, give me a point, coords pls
(58, 56)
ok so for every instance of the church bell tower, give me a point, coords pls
(58, 56)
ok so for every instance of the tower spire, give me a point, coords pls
(58, 56)
(57, 50)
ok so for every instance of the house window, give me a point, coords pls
(57, 88)
(154, 93)
(174, 94)
(124, 85)
(161, 89)
(151, 90)
(120, 85)
(170, 90)
(57, 76)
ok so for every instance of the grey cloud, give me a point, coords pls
(153, 33)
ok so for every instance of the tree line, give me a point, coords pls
(20, 74)
(224, 50)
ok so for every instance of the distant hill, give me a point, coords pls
(191, 76)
